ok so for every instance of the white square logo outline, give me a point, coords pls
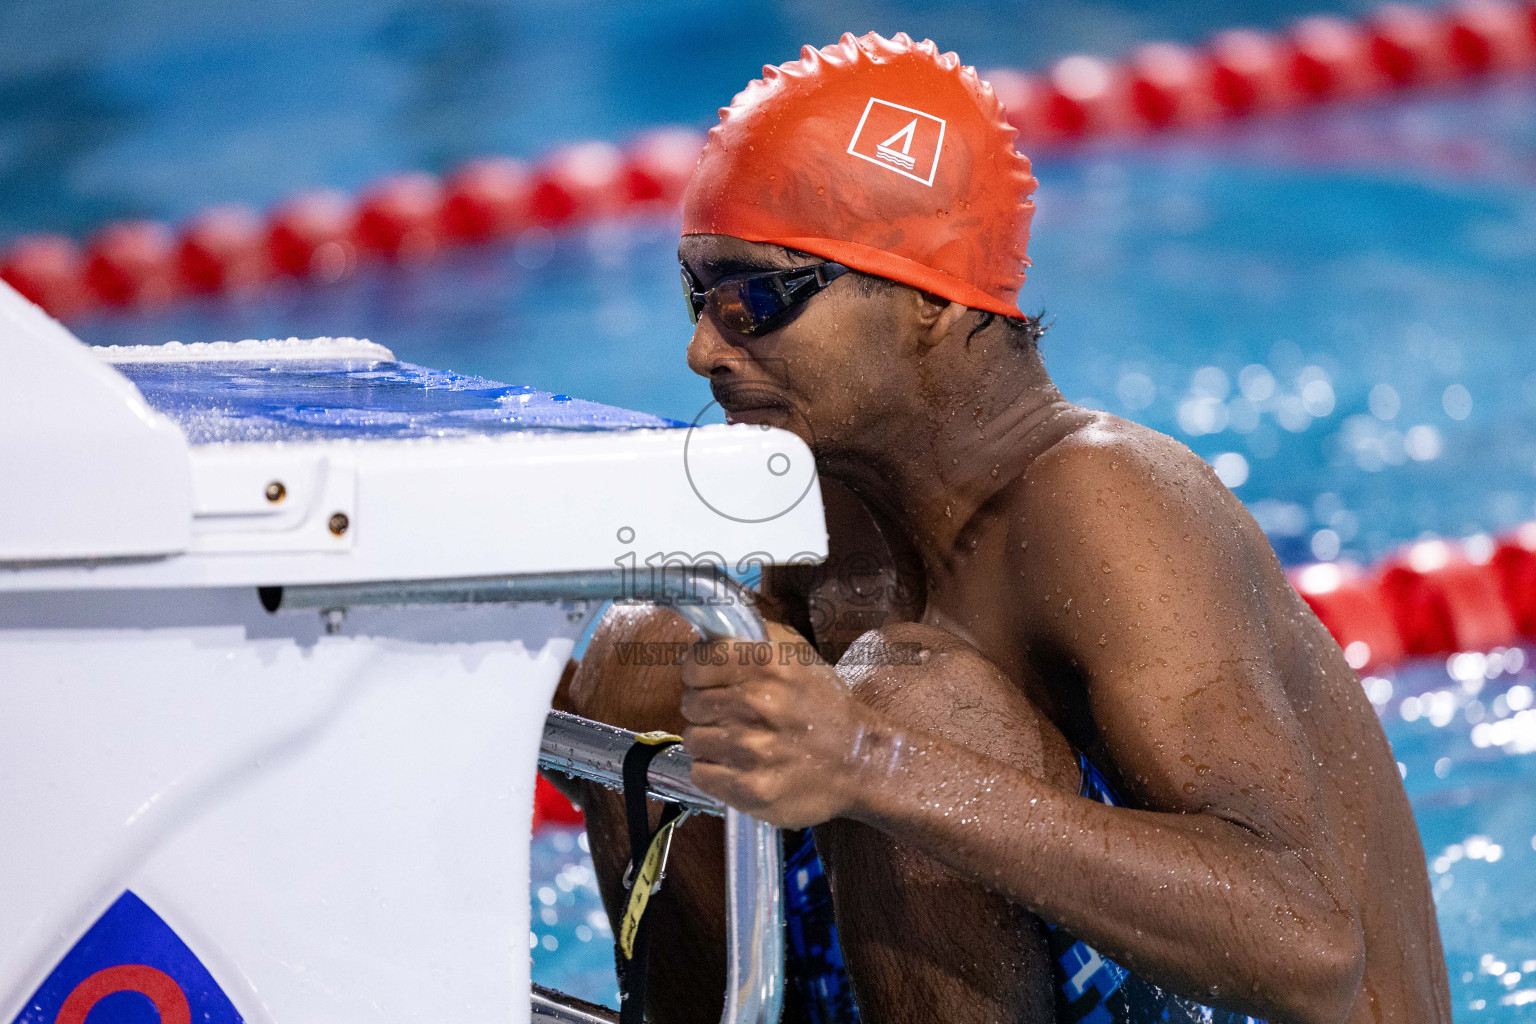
(937, 149)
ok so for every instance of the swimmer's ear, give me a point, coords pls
(939, 316)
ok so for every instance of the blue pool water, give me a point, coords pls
(1336, 309)
(114, 108)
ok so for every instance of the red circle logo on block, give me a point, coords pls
(170, 1001)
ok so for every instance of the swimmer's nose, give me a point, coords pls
(709, 352)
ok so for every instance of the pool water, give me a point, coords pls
(571, 942)
(1464, 733)
(1335, 309)
(119, 108)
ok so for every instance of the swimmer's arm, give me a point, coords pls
(1201, 903)
(1230, 892)
(1231, 889)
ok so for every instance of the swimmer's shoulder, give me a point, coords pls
(1103, 453)
(1108, 476)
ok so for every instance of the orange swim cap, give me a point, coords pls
(881, 154)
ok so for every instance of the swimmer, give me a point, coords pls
(1069, 748)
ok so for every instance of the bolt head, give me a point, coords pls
(276, 492)
(338, 523)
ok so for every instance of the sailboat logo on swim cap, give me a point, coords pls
(899, 139)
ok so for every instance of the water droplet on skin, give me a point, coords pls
(1104, 567)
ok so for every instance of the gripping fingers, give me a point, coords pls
(709, 665)
(726, 784)
(746, 702)
(740, 749)
(719, 705)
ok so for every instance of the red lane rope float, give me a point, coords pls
(311, 236)
(400, 218)
(1488, 36)
(49, 270)
(322, 236)
(132, 263)
(224, 250)
(1434, 597)
(1160, 87)
(488, 199)
(1330, 59)
(579, 183)
(1249, 73)
(1164, 87)
(1409, 46)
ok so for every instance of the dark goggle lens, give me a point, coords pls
(745, 305)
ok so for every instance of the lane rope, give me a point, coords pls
(322, 237)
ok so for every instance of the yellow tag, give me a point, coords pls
(642, 883)
(656, 736)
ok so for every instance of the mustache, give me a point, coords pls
(739, 396)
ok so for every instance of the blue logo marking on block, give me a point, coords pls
(130, 968)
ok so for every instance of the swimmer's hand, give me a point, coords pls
(772, 729)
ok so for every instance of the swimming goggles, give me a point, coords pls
(754, 304)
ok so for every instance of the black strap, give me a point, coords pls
(637, 764)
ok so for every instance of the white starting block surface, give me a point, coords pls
(244, 816)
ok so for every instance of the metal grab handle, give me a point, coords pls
(754, 920)
(584, 749)
(713, 603)
(720, 609)
(754, 870)
(552, 1007)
